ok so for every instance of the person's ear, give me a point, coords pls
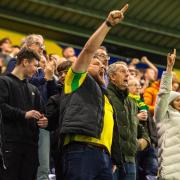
(25, 62)
(112, 77)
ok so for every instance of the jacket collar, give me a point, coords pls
(16, 78)
(122, 94)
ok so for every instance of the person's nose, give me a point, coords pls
(103, 67)
(127, 74)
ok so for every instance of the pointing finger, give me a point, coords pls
(174, 52)
(124, 9)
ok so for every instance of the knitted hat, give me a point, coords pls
(173, 95)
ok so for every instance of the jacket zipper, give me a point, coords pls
(1, 127)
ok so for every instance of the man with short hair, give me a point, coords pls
(86, 114)
(102, 54)
(21, 109)
(32, 41)
(131, 134)
(36, 43)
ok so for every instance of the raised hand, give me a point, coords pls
(170, 61)
(144, 59)
(93, 43)
(134, 61)
(116, 16)
(49, 71)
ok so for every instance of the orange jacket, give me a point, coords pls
(150, 94)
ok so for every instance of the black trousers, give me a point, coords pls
(21, 162)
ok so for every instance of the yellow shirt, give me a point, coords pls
(72, 82)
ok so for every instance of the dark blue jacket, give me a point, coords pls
(46, 88)
(11, 65)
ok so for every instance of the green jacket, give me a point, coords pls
(129, 129)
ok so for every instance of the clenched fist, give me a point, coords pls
(116, 16)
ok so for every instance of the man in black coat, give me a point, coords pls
(22, 116)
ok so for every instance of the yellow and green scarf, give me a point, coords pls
(141, 105)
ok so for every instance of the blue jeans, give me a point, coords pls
(147, 163)
(44, 150)
(83, 162)
(128, 172)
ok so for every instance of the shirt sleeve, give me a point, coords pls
(73, 81)
(9, 112)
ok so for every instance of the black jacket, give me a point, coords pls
(82, 111)
(53, 108)
(17, 97)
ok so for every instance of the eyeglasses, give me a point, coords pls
(41, 46)
(135, 85)
(103, 56)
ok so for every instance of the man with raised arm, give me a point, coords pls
(86, 114)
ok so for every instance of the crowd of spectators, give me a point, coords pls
(133, 93)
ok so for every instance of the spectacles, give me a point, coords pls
(41, 46)
(135, 85)
(104, 56)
